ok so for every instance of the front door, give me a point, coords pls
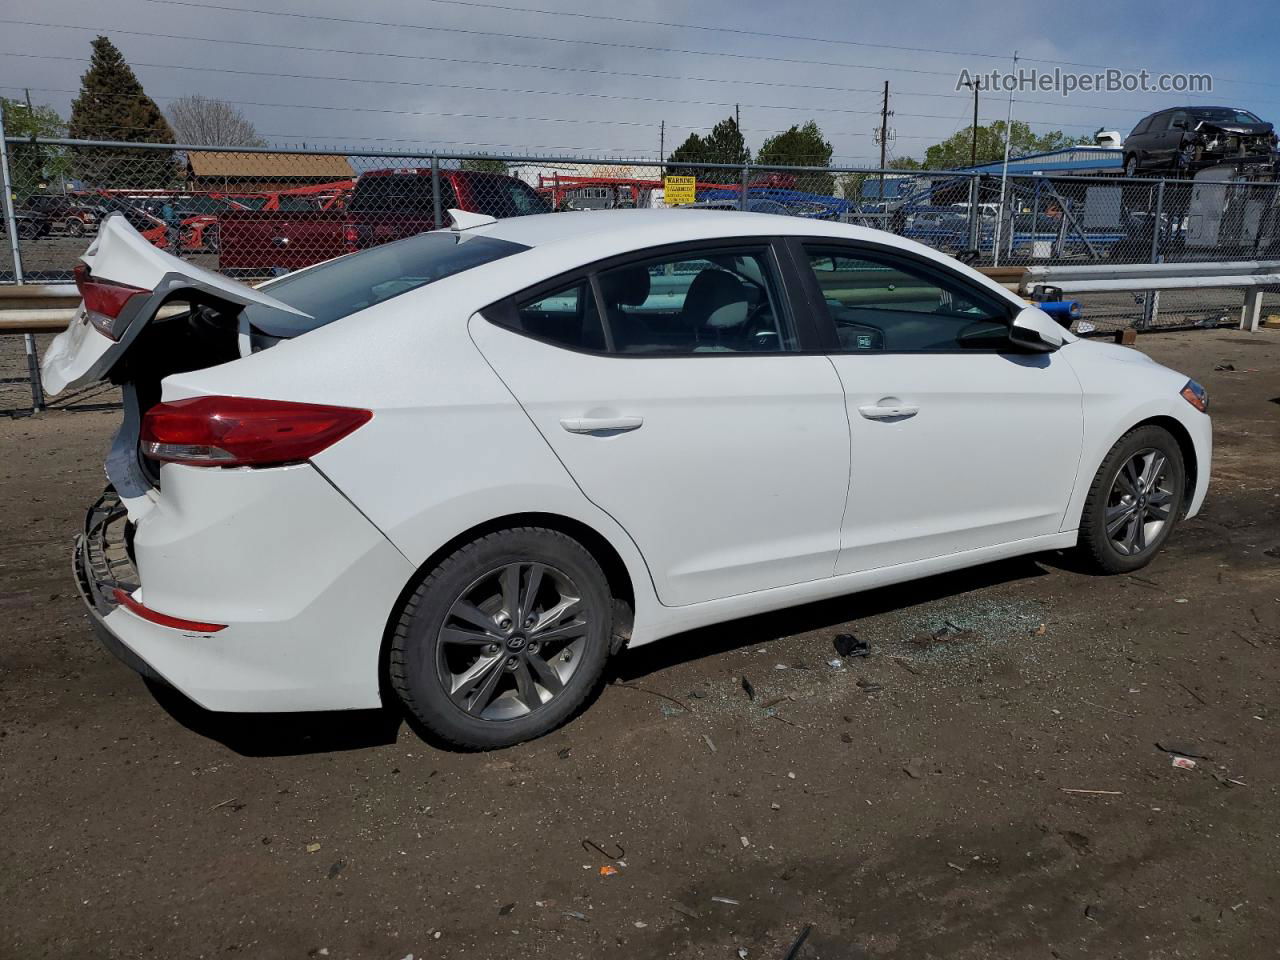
(957, 441)
(673, 390)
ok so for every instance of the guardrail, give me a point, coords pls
(1251, 275)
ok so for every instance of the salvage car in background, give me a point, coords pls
(478, 462)
(1186, 139)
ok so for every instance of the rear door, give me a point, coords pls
(677, 390)
(958, 441)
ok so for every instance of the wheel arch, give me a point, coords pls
(1186, 446)
(618, 576)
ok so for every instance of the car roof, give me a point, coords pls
(644, 228)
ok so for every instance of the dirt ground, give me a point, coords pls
(914, 803)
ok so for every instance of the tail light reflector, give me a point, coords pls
(242, 431)
(351, 238)
(126, 600)
(104, 300)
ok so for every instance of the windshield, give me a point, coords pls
(1225, 115)
(341, 287)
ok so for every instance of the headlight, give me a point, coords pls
(1196, 395)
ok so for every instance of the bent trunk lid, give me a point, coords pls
(82, 354)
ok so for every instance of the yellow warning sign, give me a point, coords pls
(677, 191)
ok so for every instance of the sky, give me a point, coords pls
(572, 78)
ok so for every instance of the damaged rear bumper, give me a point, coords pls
(100, 565)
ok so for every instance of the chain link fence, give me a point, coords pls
(254, 213)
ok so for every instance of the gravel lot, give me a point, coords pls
(915, 803)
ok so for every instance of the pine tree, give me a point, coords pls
(724, 144)
(113, 106)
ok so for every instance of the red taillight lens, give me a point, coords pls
(241, 431)
(103, 300)
(351, 238)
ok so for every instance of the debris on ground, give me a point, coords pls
(915, 768)
(1183, 763)
(794, 950)
(608, 870)
(742, 953)
(745, 842)
(685, 910)
(710, 746)
(506, 909)
(639, 924)
(1040, 631)
(1225, 366)
(748, 689)
(729, 900)
(868, 685)
(906, 665)
(835, 663)
(847, 645)
(564, 752)
(336, 868)
(1182, 749)
(576, 915)
(313, 847)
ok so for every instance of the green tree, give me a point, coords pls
(724, 144)
(33, 165)
(113, 106)
(955, 152)
(800, 146)
(484, 165)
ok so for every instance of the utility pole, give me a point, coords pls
(1004, 172)
(883, 137)
(973, 148)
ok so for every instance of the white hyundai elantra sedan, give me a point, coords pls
(463, 469)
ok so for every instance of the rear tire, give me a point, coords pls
(1134, 501)
(503, 641)
(1131, 165)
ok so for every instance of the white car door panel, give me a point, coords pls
(728, 471)
(954, 452)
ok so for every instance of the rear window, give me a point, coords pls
(341, 287)
(506, 197)
(1225, 115)
(402, 193)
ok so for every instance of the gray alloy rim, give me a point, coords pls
(1140, 502)
(511, 641)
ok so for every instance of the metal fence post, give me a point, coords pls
(11, 226)
(742, 200)
(1151, 302)
(436, 211)
(975, 238)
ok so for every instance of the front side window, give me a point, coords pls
(717, 301)
(882, 303)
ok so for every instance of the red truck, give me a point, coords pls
(385, 205)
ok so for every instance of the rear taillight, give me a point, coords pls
(351, 238)
(243, 432)
(104, 300)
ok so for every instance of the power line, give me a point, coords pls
(456, 30)
(588, 120)
(451, 86)
(660, 23)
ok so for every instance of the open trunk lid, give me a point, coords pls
(125, 281)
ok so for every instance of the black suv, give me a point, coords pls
(1186, 139)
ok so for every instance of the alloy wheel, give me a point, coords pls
(511, 641)
(1140, 503)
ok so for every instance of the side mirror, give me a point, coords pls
(1035, 330)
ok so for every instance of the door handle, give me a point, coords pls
(601, 424)
(894, 411)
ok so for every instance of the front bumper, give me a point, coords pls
(304, 583)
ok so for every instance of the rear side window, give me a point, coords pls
(566, 317)
(333, 290)
(402, 193)
(1143, 125)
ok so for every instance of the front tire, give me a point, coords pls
(503, 641)
(1134, 501)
